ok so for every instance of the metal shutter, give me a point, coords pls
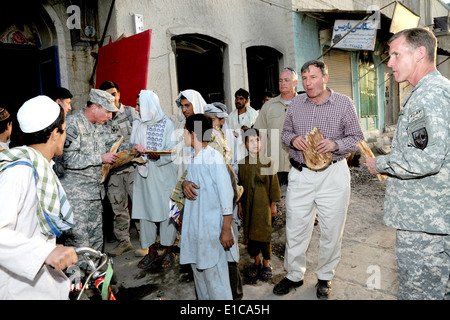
(340, 71)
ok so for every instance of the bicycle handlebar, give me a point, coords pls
(90, 251)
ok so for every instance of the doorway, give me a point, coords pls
(263, 73)
(26, 72)
(199, 60)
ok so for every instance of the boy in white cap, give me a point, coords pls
(34, 208)
(86, 149)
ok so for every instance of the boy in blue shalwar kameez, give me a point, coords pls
(206, 229)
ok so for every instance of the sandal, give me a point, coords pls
(266, 273)
(253, 271)
(147, 261)
(170, 258)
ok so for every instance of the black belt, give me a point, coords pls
(299, 166)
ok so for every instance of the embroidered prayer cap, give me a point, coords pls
(4, 114)
(37, 114)
(104, 99)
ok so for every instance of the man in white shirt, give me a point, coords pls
(242, 118)
(31, 263)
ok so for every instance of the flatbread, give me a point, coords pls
(367, 153)
(313, 160)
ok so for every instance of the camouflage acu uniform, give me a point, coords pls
(85, 143)
(418, 191)
(120, 183)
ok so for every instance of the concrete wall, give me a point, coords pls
(307, 43)
(76, 62)
(239, 24)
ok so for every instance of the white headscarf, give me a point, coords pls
(150, 114)
(197, 101)
(195, 98)
(150, 108)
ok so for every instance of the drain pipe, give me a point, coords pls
(91, 81)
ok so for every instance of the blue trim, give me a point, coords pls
(24, 163)
(50, 223)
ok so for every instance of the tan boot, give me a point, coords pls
(121, 248)
(141, 252)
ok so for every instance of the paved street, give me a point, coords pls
(367, 270)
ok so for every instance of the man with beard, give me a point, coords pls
(242, 118)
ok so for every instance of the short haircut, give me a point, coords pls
(109, 85)
(294, 73)
(251, 132)
(243, 93)
(43, 135)
(201, 125)
(317, 63)
(418, 37)
(60, 93)
(4, 123)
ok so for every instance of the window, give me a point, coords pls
(368, 86)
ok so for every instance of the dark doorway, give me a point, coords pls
(199, 61)
(263, 73)
(26, 72)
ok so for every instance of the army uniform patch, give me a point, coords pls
(420, 138)
(72, 134)
(419, 131)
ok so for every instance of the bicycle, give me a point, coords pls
(93, 278)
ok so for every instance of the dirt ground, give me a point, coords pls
(367, 270)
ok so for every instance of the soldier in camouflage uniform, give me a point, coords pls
(418, 192)
(121, 180)
(86, 149)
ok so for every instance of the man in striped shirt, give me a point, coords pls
(326, 191)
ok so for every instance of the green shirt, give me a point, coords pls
(261, 188)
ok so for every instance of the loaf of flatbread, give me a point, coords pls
(367, 153)
(313, 160)
(124, 158)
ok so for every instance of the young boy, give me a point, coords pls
(206, 230)
(224, 141)
(258, 204)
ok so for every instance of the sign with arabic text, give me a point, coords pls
(360, 38)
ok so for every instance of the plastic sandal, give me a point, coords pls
(267, 273)
(253, 271)
(147, 261)
(169, 257)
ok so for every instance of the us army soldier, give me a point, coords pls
(85, 151)
(417, 192)
(121, 180)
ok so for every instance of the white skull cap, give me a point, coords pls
(37, 114)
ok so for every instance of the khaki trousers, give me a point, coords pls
(326, 193)
(120, 187)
